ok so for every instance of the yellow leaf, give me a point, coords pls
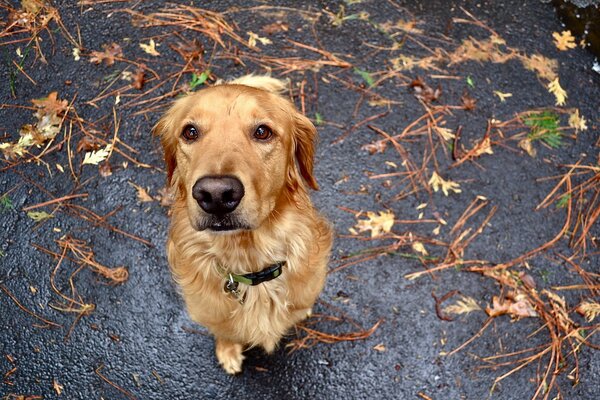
(39, 216)
(589, 309)
(503, 96)
(576, 121)
(376, 223)
(445, 133)
(558, 92)
(58, 388)
(76, 53)
(253, 38)
(420, 248)
(544, 67)
(526, 145)
(96, 157)
(380, 347)
(464, 305)
(150, 48)
(437, 183)
(564, 40)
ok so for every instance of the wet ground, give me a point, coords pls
(137, 342)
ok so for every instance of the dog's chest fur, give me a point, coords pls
(271, 308)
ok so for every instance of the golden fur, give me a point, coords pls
(280, 222)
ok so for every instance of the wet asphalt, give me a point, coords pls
(139, 336)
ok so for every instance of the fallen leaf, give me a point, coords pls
(420, 248)
(558, 92)
(51, 104)
(577, 122)
(39, 216)
(564, 40)
(139, 78)
(468, 102)
(437, 183)
(380, 347)
(88, 143)
(527, 145)
(517, 307)
(95, 157)
(76, 53)
(275, 27)
(483, 147)
(375, 147)
(253, 38)
(424, 92)
(464, 305)
(545, 68)
(142, 194)
(150, 48)
(589, 309)
(445, 133)
(502, 96)
(105, 169)
(378, 224)
(58, 388)
(108, 56)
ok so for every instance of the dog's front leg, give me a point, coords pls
(229, 355)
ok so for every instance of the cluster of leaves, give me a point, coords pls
(49, 114)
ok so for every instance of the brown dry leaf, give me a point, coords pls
(468, 102)
(375, 147)
(527, 145)
(437, 183)
(378, 224)
(142, 194)
(564, 40)
(108, 55)
(105, 169)
(517, 306)
(545, 68)
(464, 305)
(88, 143)
(576, 121)
(51, 104)
(424, 92)
(558, 92)
(589, 309)
(166, 196)
(139, 79)
(275, 27)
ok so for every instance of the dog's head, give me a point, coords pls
(235, 152)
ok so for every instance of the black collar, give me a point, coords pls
(256, 278)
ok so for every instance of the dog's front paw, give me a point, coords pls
(229, 355)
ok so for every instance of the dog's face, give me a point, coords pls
(235, 153)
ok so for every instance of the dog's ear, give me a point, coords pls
(304, 140)
(264, 82)
(163, 129)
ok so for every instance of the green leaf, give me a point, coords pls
(39, 216)
(6, 203)
(544, 126)
(563, 200)
(198, 80)
(470, 81)
(366, 76)
(318, 119)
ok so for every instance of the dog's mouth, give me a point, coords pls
(221, 223)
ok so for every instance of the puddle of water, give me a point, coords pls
(583, 20)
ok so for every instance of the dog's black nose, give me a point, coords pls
(218, 194)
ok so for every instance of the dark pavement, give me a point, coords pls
(138, 336)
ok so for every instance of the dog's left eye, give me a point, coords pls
(263, 132)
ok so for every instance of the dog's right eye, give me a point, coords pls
(190, 133)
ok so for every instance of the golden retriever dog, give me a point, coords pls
(246, 246)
